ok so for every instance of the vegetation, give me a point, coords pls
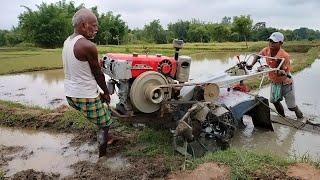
(18, 115)
(14, 60)
(2, 174)
(50, 24)
(245, 163)
(152, 143)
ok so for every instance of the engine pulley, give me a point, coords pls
(145, 94)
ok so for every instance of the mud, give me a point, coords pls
(6, 153)
(132, 168)
(43, 120)
(32, 174)
(206, 171)
(270, 172)
(303, 171)
(43, 152)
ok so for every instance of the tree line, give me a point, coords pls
(50, 24)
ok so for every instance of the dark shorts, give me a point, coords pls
(93, 109)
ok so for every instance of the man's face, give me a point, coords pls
(274, 45)
(91, 28)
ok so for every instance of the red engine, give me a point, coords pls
(139, 78)
(133, 65)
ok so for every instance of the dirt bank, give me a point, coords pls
(62, 119)
(205, 171)
(6, 152)
(303, 171)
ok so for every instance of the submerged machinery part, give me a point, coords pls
(145, 94)
(208, 123)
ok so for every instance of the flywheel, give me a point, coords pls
(145, 94)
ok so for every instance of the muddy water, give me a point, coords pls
(40, 88)
(43, 151)
(284, 141)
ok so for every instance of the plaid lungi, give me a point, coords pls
(93, 109)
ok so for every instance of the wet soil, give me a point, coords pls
(303, 171)
(34, 175)
(44, 120)
(6, 152)
(134, 168)
(206, 171)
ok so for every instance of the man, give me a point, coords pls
(83, 75)
(282, 83)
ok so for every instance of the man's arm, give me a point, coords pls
(255, 59)
(92, 58)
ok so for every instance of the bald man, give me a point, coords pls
(83, 75)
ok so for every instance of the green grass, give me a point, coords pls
(15, 61)
(18, 115)
(151, 143)
(245, 163)
(1, 175)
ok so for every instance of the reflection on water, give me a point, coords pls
(44, 88)
(40, 88)
(283, 141)
(204, 63)
(43, 151)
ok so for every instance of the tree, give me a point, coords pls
(226, 20)
(49, 25)
(221, 33)
(14, 37)
(112, 29)
(179, 29)
(242, 25)
(155, 32)
(262, 34)
(288, 34)
(3, 41)
(198, 32)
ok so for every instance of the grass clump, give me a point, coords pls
(2, 175)
(245, 164)
(151, 143)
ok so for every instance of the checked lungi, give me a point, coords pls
(93, 109)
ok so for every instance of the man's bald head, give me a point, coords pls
(82, 16)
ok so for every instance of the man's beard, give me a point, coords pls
(91, 35)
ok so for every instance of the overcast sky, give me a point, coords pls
(285, 14)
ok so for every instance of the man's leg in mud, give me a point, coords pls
(102, 138)
(279, 108)
(291, 100)
(297, 111)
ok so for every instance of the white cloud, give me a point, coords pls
(288, 14)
